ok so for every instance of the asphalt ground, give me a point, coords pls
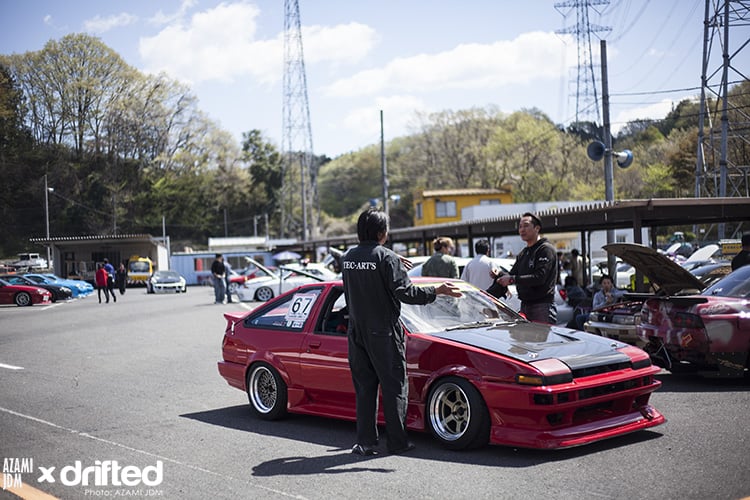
(136, 382)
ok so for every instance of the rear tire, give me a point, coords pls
(267, 392)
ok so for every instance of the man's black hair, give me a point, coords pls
(481, 247)
(745, 240)
(372, 224)
(536, 220)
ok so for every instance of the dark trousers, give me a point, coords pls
(99, 290)
(379, 360)
(111, 288)
(542, 312)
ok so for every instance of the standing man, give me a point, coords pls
(375, 284)
(742, 258)
(534, 273)
(478, 271)
(441, 264)
(576, 265)
(110, 278)
(227, 280)
(218, 271)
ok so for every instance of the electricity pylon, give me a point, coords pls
(297, 146)
(723, 123)
(587, 99)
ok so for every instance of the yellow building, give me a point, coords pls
(445, 205)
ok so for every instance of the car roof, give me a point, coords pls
(660, 270)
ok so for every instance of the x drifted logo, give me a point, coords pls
(104, 473)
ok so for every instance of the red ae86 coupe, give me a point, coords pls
(478, 372)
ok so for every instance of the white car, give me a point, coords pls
(267, 287)
(166, 281)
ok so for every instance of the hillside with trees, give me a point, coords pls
(126, 151)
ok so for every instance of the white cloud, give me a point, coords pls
(347, 43)
(398, 112)
(531, 56)
(48, 20)
(99, 24)
(160, 18)
(656, 111)
(219, 44)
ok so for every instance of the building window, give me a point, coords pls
(445, 208)
(489, 202)
(419, 210)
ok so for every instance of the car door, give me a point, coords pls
(324, 359)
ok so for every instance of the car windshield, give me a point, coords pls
(474, 309)
(735, 284)
(167, 274)
(139, 267)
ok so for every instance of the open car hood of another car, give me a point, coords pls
(660, 270)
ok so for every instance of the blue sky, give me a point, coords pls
(400, 57)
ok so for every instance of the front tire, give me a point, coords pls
(457, 414)
(263, 294)
(23, 299)
(267, 392)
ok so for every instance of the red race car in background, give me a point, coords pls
(23, 295)
(707, 333)
(478, 372)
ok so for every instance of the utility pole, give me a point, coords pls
(383, 166)
(609, 188)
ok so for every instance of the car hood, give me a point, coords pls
(528, 342)
(660, 270)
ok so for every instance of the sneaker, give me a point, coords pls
(365, 451)
(409, 446)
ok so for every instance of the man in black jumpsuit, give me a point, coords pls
(534, 273)
(375, 284)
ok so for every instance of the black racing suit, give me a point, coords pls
(535, 275)
(375, 284)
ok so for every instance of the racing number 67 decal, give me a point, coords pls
(300, 308)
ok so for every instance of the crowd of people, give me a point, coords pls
(106, 278)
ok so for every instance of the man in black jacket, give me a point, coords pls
(375, 284)
(534, 273)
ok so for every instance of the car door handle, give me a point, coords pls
(314, 344)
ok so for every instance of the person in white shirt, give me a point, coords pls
(478, 271)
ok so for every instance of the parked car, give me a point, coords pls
(166, 281)
(59, 292)
(707, 333)
(267, 287)
(23, 295)
(478, 372)
(619, 321)
(79, 288)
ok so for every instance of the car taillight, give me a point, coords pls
(686, 320)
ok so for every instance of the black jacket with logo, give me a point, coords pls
(535, 273)
(375, 284)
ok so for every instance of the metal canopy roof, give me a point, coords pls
(595, 217)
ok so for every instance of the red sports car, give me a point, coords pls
(478, 372)
(708, 333)
(23, 295)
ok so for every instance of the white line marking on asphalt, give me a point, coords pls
(11, 367)
(144, 452)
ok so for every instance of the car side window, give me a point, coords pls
(334, 319)
(291, 313)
